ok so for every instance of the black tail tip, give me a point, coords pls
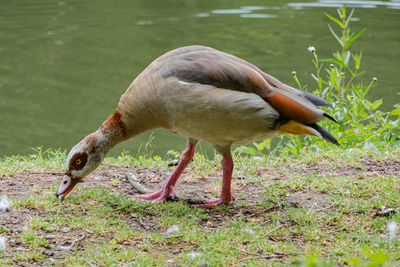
(324, 134)
(330, 117)
(317, 100)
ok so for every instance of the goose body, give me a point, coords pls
(204, 94)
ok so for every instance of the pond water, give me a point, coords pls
(64, 64)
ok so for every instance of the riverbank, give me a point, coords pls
(328, 207)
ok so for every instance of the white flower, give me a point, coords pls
(193, 254)
(2, 243)
(311, 49)
(392, 229)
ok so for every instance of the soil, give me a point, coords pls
(113, 178)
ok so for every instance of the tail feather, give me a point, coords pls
(324, 133)
(316, 100)
(330, 117)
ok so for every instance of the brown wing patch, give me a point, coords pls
(78, 161)
(292, 109)
(216, 69)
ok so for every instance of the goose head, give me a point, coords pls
(83, 158)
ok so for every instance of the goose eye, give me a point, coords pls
(78, 161)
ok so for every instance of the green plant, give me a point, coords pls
(360, 122)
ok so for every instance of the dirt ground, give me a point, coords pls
(114, 178)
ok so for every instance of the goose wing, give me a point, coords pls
(204, 65)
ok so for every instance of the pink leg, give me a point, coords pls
(226, 195)
(167, 188)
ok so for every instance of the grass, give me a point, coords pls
(273, 231)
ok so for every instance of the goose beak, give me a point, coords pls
(67, 184)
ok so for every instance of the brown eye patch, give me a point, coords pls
(78, 161)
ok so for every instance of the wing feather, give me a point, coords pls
(198, 64)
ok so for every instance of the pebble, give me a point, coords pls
(50, 236)
(3, 245)
(173, 229)
(48, 253)
(64, 230)
(173, 163)
(4, 203)
(65, 248)
(50, 229)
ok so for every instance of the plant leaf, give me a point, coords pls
(346, 61)
(349, 18)
(251, 151)
(335, 35)
(396, 112)
(335, 20)
(261, 145)
(376, 104)
(353, 38)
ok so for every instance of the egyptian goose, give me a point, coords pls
(204, 94)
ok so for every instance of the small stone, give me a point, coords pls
(52, 260)
(4, 203)
(65, 248)
(173, 229)
(64, 230)
(50, 237)
(173, 163)
(50, 229)
(20, 249)
(3, 244)
(385, 211)
(48, 253)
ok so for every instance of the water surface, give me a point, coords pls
(64, 64)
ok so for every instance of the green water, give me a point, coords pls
(64, 64)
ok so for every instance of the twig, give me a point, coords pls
(263, 211)
(330, 206)
(273, 230)
(90, 264)
(144, 190)
(248, 252)
(76, 241)
(136, 185)
(142, 224)
(265, 257)
(80, 238)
